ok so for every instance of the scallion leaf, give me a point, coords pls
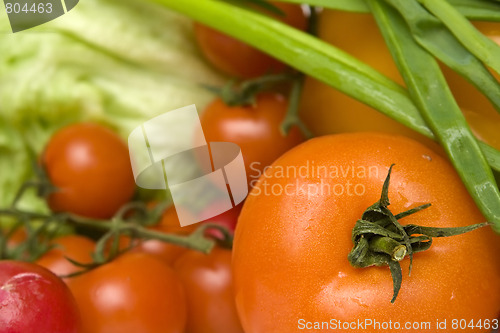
(434, 36)
(477, 43)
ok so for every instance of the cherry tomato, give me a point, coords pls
(228, 219)
(134, 293)
(255, 129)
(290, 251)
(480, 113)
(74, 247)
(208, 284)
(32, 299)
(16, 238)
(168, 224)
(14, 247)
(167, 252)
(90, 166)
(238, 59)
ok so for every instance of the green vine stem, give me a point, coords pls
(380, 240)
(131, 220)
(292, 116)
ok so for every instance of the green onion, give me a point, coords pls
(433, 35)
(430, 91)
(481, 10)
(358, 6)
(485, 10)
(308, 54)
(352, 77)
(478, 44)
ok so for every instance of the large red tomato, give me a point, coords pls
(290, 264)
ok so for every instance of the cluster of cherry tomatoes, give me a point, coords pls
(154, 286)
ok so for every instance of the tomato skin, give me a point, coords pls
(32, 299)
(75, 247)
(255, 129)
(290, 251)
(166, 252)
(170, 223)
(90, 166)
(208, 284)
(238, 59)
(134, 293)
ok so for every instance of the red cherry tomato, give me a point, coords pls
(228, 219)
(134, 293)
(15, 244)
(208, 284)
(238, 59)
(32, 299)
(90, 166)
(74, 247)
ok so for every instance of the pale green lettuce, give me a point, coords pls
(118, 62)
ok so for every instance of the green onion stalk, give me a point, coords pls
(408, 27)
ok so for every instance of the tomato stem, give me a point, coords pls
(243, 93)
(37, 238)
(195, 241)
(389, 246)
(380, 240)
(226, 241)
(292, 116)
